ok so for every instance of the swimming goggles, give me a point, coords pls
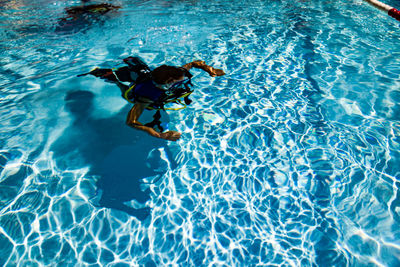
(171, 88)
(180, 84)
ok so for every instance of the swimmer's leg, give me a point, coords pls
(106, 74)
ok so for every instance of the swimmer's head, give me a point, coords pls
(167, 74)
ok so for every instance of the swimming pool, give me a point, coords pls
(291, 159)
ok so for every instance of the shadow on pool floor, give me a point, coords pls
(116, 153)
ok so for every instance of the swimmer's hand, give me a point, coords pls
(200, 64)
(215, 72)
(170, 135)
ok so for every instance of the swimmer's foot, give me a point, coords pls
(106, 74)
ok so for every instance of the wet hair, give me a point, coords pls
(163, 73)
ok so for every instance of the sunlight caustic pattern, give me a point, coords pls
(291, 159)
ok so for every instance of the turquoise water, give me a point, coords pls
(291, 159)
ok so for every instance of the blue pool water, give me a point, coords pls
(292, 158)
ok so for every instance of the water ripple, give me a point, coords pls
(290, 159)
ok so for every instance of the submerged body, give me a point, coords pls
(153, 89)
(82, 16)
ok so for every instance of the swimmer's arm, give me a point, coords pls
(133, 121)
(200, 64)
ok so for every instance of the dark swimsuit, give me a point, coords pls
(147, 90)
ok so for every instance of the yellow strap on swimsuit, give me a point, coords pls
(127, 92)
(176, 101)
